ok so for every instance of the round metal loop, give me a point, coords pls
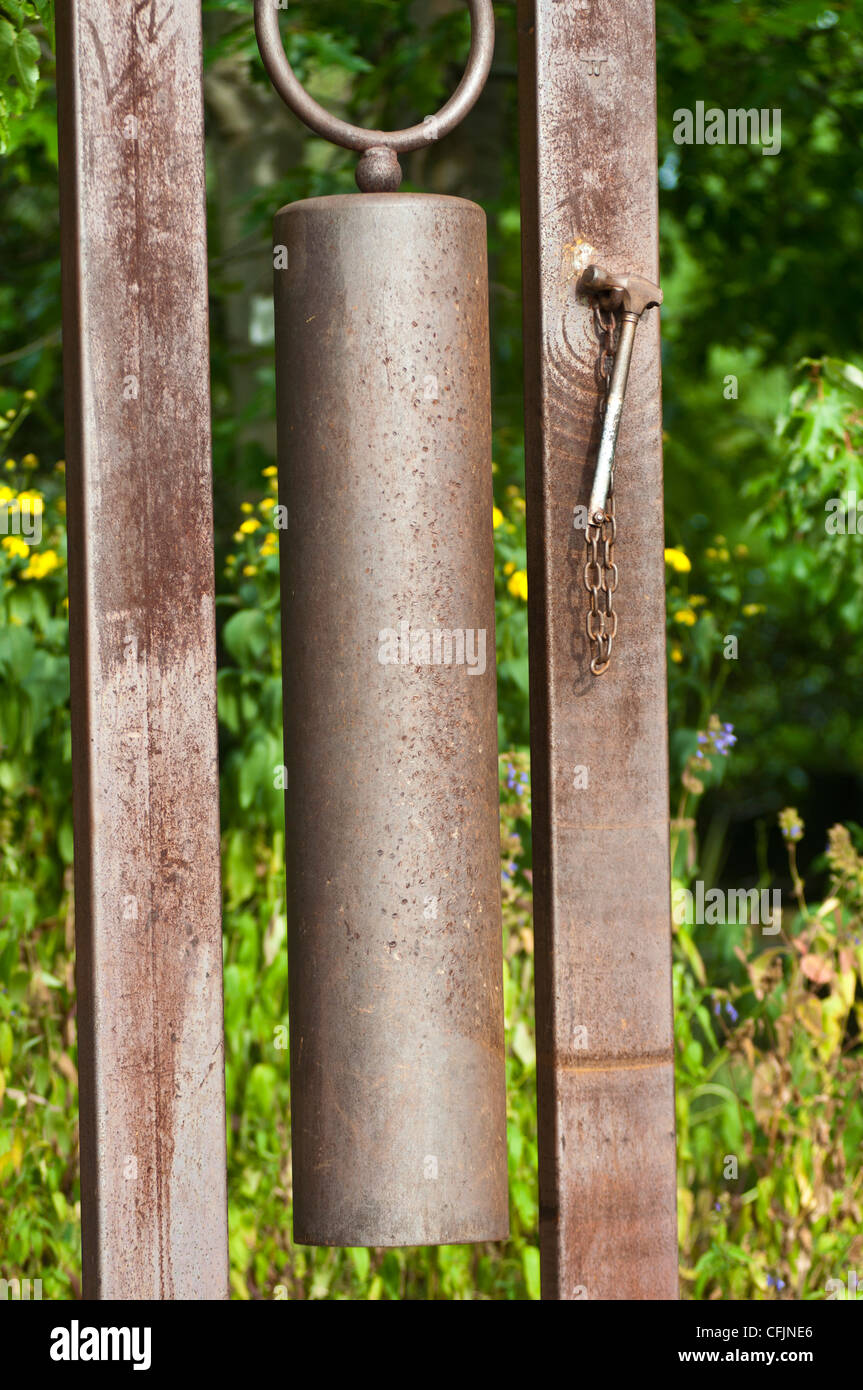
(592, 577)
(353, 137)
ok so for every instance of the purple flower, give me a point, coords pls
(720, 740)
(732, 1012)
(717, 1206)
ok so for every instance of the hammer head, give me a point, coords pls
(633, 292)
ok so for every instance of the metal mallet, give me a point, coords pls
(634, 294)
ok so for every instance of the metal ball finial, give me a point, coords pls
(378, 171)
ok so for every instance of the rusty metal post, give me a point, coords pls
(600, 781)
(147, 882)
(398, 1103)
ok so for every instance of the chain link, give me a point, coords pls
(600, 574)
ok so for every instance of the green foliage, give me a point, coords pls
(20, 57)
(38, 1082)
(759, 267)
(769, 1079)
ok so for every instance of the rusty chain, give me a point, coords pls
(600, 575)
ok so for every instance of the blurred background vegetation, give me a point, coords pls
(760, 267)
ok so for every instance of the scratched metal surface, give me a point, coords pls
(601, 862)
(148, 928)
(397, 1065)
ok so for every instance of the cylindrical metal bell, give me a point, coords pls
(396, 1014)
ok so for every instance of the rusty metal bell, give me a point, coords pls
(398, 1105)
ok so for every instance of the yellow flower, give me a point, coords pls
(42, 563)
(61, 505)
(678, 560)
(685, 616)
(512, 490)
(751, 610)
(230, 559)
(36, 500)
(246, 507)
(696, 600)
(271, 472)
(9, 465)
(30, 461)
(29, 395)
(10, 414)
(509, 567)
(741, 551)
(676, 654)
(60, 465)
(248, 528)
(710, 553)
(519, 504)
(7, 494)
(250, 569)
(496, 517)
(722, 555)
(265, 505)
(14, 546)
(518, 585)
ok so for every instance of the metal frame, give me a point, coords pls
(143, 656)
(142, 615)
(601, 857)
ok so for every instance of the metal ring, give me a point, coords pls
(353, 137)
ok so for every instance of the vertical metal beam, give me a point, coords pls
(601, 865)
(148, 923)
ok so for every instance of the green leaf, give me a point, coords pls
(19, 58)
(247, 636)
